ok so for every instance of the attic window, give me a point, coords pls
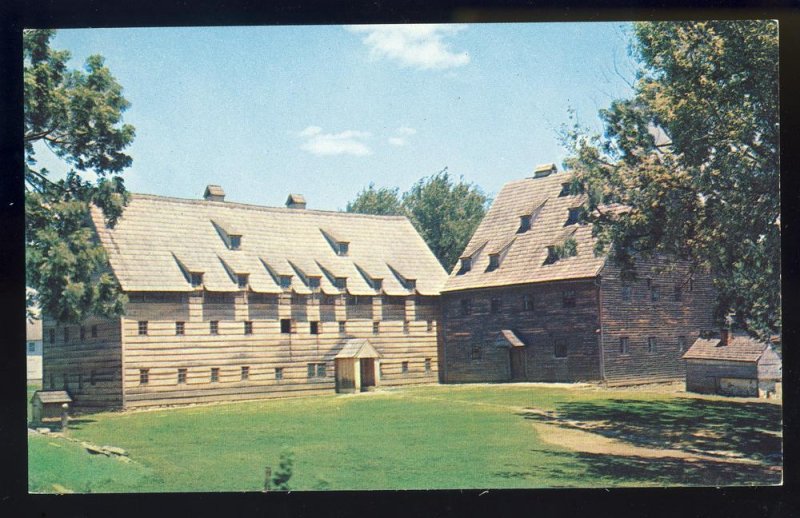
(552, 256)
(574, 216)
(411, 284)
(196, 279)
(342, 248)
(313, 283)
(236, 242)
(466, 264)
(286, 281)
(565, 190)
(494, 261)
(524, 223)
(242, 280)
(377, 284)
(341, 282)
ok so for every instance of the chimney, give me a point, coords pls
(724, 335)
(214, 193)
(543, 170)
(296, 201)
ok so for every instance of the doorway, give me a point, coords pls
(518, 363)
(367, 373)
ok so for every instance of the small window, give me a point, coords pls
(411, 284)
(143, 327)
(651, 344)
(496, 305)
(340, 282)
(286, 281)
(52, 381)
(574, 216)
(31, 347)
(527, 303)
(342, 327)
(214, 327)
(404, 368)
(627, 292)
(624, 345)
(565, 190)
(343, 248)
(245, 373)
(144, 376)
(278, 373)
(466, 306)
(181, 376)
(552, 256)
(94, 331)
(677, 294)
(655, 294)
(682, 343)
(568, 298)
(560, 348)
(314, 327)
(180, 328)
(494, 261)
(321, 370)
(242, 279)
(476, 353)
(236, 242)
(248, 327)
(313, 283)
(466, 264)
(312, 370)
(429, 327)
(691, 284)
(406, 326)
(524, 223)
(66, 334)
(80, 381)
(286, 325)
(52, 336)
(83, 333)
(376, 327)
(427, 365)
(214, 374)
(377, 284)
(197, 280)
(316, 370)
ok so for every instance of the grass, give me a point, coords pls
(443, 437)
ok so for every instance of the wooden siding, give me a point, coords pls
(540, 329)
(79, 359)
(703, 376)
(640, 318)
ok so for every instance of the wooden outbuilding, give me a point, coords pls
(733, 365)
(48, 404)
(356, 366)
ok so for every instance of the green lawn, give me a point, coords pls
(474, 436)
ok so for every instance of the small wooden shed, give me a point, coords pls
(733, 365)
(46, 404)
(355, 366)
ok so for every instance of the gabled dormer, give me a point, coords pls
(192, 273)
(409, 283)
(282, 279)
(376, 283)
(241, 278)
(310, 280)
(526, 219)
(229, 234)
(340, 247)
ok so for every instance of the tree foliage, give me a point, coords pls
(76, 114)
(445, 212)
(281, 476)
(694, 155)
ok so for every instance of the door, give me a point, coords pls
(518, 363)
(367, 373)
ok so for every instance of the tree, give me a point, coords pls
(445, 213)
(383, 201)
(77, 114)
(694, 157)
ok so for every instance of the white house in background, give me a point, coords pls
(33, 348)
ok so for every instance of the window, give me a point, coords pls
(651, 344)
(677, 294)
(574, 216)
(655, 294)
(143, 327)
(565, 190)
(524, 223)
(242, 279)
(429, 327)
(180, 328)
(181, 376)
(236, 242)
(691, 284)
(316, 370)
(245, 373)
(376, 327)
(80, 380)
(52, 381)
(343, 248)
(320, 370)
(214, 374)
(313, 283)
(406, 326)
(286, 325)
(340, 282)
(66, 334)
(144, 376)
(427, 365)
(286, 281)
(560, 348)
(527, 302)
(94, 331)
(466, 264)
(342, 326)
(214, 327)
(248, 327)
(65, 380)
(466, 306)
(197, 280)
(278, 373)
(496, 305)
(83, 333)
(31, 347)
(404, 368)
(52, 336)
(314, 327)
(476, 353)
(627, 292)
(494, 261)
(682, 343)
(568, 298)
(624, 345)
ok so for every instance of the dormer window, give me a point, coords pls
(196, 279)
(552, 255)
(242, 280)
(236, 242)
(411, 284)
(231, 236)
(341, 282)
(377, 284)
(494, 261)
(466, 264)
(313, 283)
(524, 223)
(574, 216)
(565, 190)
(339, 246)
(342, 248)
(286, 281)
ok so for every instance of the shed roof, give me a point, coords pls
(507, 337)
(525, 257)
(357, 348)
(156, 235)
(52, 396)
(740, 348)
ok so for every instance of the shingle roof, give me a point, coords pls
(358, 348)
(524, 260)
(158, 238)
(52, 396)
(740, 347)
(508, 337)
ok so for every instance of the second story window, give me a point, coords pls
(496, 305)
(66, 334)
(627, 292)
(214, 374)
(624, 345)
(286, 326)
(466, 306)
(568, 298)
(682, 344)
(143, 327)
(248, 327)
(144, 376)
(376, 327)
(313, 327)
(655, 293)
(52, 336)
(342, 326)
(94, 331)
(651, 344)
(677, 294)
(180, 328)
(181, 376)
(527, 303)
(214, 327)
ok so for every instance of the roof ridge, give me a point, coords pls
(266, 208)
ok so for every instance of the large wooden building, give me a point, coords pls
(530, 300)
(231, 301)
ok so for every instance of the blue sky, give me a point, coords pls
(325, 110)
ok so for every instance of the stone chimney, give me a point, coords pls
(296, 201)
(544, 170)
(214, 193)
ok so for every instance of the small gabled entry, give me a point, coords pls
(516, 351)
(355, 366)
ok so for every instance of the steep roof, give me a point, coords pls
(522, 260)
(358, 348)
(159, 241)
(741, 347)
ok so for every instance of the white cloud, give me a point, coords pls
(401, 134)
(414, 45)
(347, 142)
(406, 131)
(397, 141)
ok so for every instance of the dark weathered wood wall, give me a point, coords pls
(703, 376)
